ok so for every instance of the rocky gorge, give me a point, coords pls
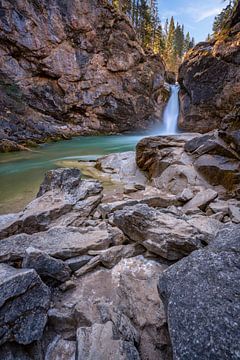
(133, 255)
(65, 70)
(127, 274)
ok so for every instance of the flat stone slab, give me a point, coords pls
(59, 242)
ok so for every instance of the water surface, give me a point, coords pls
(22, 172)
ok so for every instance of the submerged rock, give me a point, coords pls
(201, 296)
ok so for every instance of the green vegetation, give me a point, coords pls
(169, 40)
(222, 19)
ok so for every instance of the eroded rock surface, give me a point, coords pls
(210, 82)
(72, 68)
(205, 323)
(24, 302)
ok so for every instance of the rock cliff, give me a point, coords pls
(210, 80)
(72, 67)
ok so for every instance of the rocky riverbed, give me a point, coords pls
(149, 270)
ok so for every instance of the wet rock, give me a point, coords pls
(59, 242)
(201, 296)
(45, 265)
(24, 301)
(161, 233)
(99, 341)
(201, 200)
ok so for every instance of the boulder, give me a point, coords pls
(62, 192)
(162, 233)
(201, 297)
(119, 297)
(45, 265)
(155, 154)
(59, 242)
(219, 170)
(201, 200)
(24, 302)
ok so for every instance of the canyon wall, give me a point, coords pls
(73, 67)
(210, 80)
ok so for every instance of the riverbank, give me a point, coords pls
(94, 257)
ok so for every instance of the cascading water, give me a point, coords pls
(169, 124)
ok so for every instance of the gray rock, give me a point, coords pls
(201, 200)
(201, 295)
(99, 342)
(24, 301)
(13, 351)
(161, 233)
(62, 179)
(234, 212)
(111, 256)
(120, 295)
(60, 349)
(59, 202)
(59, 242)
(78, 261)
(46, 265)
(186, 195)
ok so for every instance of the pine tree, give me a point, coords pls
(170, 51)
(187, 42)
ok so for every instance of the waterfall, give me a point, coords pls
(169, 124)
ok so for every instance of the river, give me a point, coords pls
(22, 172)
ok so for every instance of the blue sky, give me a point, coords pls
(196, 15)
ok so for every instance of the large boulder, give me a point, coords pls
(60, 242)
(216, 160)
(162, 233)
(201, 297)
(115, 301)
(24, 302)
(63, 199)
(80, 70)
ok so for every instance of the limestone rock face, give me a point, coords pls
(73, 68)
(201, 296)
(24, 301)
(210, 82)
